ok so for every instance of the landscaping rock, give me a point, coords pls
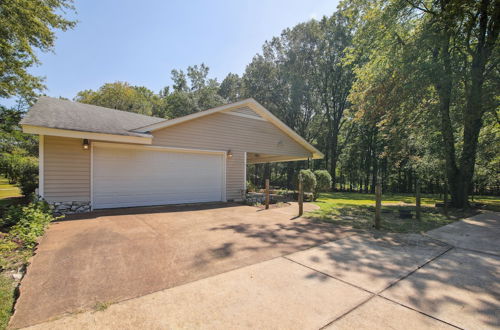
(17, 276)
(61, 208)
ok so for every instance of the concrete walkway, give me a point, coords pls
(358, 282)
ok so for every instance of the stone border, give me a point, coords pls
(60, 208)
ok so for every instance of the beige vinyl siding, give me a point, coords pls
(67, 164)
(66, 170)
(235, 133)
(246, 111)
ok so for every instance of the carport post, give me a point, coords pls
(301, 197)
(267, 194)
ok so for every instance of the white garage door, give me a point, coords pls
(131, 176)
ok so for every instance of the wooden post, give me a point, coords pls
(301, 197)
(417, 201)
(378, 204)
(445, 199)
(267, 194)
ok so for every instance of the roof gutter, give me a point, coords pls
(87, 135)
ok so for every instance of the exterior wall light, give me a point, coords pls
(229, 154)
(86, 144)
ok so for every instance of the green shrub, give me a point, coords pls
(308, 180)
(8, 256)
(28, 180)
(21, 170)
(28, 222)
(9, 166)
(323, 182)
(250, 186)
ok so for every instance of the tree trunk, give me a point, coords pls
(444, 89)
(374, 174)
(473, 113)
(332, 173)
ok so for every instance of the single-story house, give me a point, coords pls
(93, 157)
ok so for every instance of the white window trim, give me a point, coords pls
(159, 148)
(91, 175)
(223, 183)
(245, 174)
(41, 171)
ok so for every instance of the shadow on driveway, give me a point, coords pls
(113, 255)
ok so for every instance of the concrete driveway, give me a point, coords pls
(111, 256)
(363, 281)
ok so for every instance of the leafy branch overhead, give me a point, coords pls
(401, 92)
(27, 26)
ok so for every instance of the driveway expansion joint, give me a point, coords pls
(329, 275)
(378, 293)
(461, 248)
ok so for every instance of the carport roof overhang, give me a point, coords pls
(258, 158)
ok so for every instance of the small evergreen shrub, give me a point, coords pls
(308, 180)
(323, 182)
(28, 180)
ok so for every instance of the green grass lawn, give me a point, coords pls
(491, 203)
(9, 194)
(7, 189)
(7, 295)
(358, 210)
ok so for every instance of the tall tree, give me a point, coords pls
(446, 52)
(11, 135)
(27, 25)
(302, 77)
(122, 96)
(231, 88)
(333, 80)
(192, 92)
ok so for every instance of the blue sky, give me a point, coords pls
(140, 42)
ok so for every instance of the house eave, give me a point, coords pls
(40, 130)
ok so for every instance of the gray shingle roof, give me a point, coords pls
(63, 114)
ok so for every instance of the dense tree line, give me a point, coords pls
(401, 92)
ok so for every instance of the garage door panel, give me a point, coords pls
(135, 177)
(155, 185)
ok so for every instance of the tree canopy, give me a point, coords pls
(27, 26)
(122, 96)
(397, 92)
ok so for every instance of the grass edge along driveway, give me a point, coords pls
(357, 210)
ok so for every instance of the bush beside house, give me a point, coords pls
(21, 170)
(308, 180)
(21, 227)
(323, 182)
